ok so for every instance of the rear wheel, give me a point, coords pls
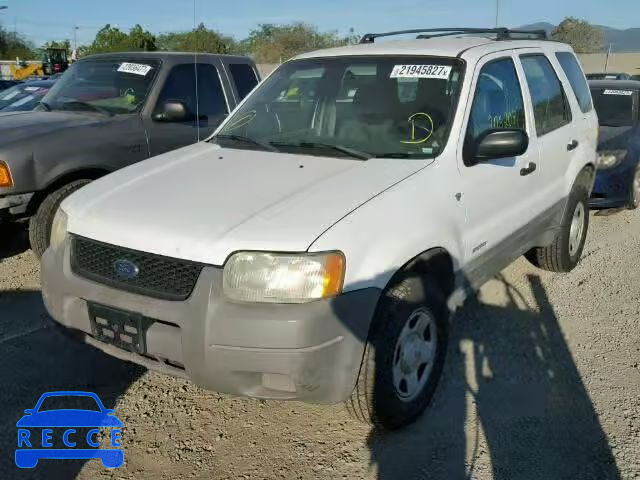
(564, 253)
(404, 356)
(634, 194)
(41, 222)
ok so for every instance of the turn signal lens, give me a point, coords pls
(5, 176)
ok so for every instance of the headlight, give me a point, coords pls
(283, 277)
(610, 158)
(58, 229)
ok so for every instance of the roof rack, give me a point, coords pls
(500, 33)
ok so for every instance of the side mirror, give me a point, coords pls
(172, 111)
(501, 144)
(29, 411)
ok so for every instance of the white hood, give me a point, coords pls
(204, 202)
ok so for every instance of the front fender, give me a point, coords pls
(381, 236)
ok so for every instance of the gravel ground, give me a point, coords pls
(542, 382)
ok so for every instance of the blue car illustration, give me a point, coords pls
(31, 448)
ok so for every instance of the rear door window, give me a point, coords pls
(578, 82)
(244, 78)
(550, 107)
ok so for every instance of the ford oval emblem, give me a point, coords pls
(126, 269)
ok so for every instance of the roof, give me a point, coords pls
(615, 84)
(179, 56)
(451, 46)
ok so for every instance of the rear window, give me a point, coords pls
(244, 77)
(577, 80)
(614, 106)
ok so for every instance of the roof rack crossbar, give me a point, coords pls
(501, 33)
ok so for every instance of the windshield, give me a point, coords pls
(113, 86)
(358, 107)
(614, 107)
(67, 402)
(22, 97)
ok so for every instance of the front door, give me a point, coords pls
(199, 88)
(495, 193)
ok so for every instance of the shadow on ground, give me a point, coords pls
(512, 367)
(35, 358)
(14, 239)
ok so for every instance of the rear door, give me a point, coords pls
(496, 195)
(561, 137)
(199, 87)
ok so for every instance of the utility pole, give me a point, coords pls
(497, 12)
(75, 37)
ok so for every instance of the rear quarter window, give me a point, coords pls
(576, 78)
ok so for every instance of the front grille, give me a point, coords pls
(157, 276)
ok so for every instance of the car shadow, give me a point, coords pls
(14, 239)
(509, 378)
(35, 358)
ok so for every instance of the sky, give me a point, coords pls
(42, 20)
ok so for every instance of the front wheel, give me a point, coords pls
(564, 253)
(41, 222)
(404, 356)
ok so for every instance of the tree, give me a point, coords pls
(15, 46)
(200, 39)
(580, 34)
(270, 43)
(112, 39)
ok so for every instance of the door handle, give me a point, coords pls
(573, 145)
(528, 170)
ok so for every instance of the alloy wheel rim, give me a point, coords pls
(577, 228)
(414, 355)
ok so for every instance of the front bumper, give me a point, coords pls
(14, 205)
(310, 352)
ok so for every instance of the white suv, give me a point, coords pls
(314, 247)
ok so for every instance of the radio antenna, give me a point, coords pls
(195, 71)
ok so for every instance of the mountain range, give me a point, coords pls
(622, 40)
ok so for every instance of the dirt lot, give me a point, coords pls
(542, 382)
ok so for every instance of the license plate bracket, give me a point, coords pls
(123, 329)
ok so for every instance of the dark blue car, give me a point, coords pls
(51, 420)
(24, 97)
(618, 178)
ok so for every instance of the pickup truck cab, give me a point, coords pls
(314, 246)
(109, 111)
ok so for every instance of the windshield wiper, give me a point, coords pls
(46, 106)
(95, 108)
(247, 140)
(351, 152)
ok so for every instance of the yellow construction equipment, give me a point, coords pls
(19, 72)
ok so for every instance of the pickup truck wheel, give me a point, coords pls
(564, 253)
(404, 356)
(40, 222)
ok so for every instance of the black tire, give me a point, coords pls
(375, 399)
(558, 257)
(40, 223)
(634, 197)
